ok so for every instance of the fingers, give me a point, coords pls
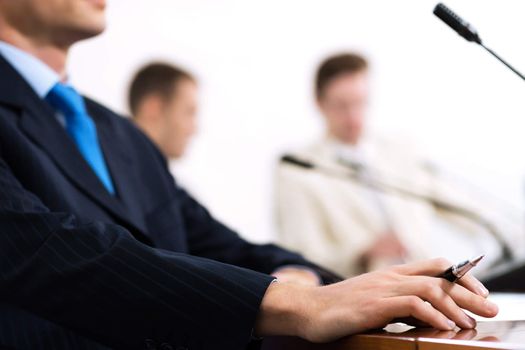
(449, 298)
(432, 267)
(435, 267)
(474, 285)
(413, 306)
(435, 292)
(472, 302)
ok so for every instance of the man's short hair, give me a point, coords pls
(156, 78)
(335, 66)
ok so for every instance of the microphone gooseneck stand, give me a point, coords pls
(383, 187)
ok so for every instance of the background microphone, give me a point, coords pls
(466, 30)
(462, 27)
(297, 162)
(380, 186)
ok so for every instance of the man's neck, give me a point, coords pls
(55, 57)
(341, 142)
(152, 130)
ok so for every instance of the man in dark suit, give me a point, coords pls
(100, 248)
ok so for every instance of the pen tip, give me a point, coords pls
(477, 259)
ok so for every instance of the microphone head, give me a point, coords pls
(461, 26)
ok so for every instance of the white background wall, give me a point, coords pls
(255, 62)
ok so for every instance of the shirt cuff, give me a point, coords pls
(301, 267)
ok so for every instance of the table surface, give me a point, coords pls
(488, 335)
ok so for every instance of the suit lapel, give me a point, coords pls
(39, 123)
(119, 162)
(46, 132)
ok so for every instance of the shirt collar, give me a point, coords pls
(356, 154)
(36, 73)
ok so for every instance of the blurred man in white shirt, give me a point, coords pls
(391, 206)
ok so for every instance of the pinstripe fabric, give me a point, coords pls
(80, 268)
(98, 280)
(24, 330)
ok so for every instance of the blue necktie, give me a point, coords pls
(81, 128)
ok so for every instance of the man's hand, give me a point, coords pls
(322, 314)
(297, 275)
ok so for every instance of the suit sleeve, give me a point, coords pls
(99, 281)
(211, 239)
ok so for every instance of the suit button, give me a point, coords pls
(150, 344)
(166, 346)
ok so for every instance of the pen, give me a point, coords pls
(455, 272)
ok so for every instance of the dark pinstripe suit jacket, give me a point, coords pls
(149, 268)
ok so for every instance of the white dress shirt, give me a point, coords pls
(36, 73)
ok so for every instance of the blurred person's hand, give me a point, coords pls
(387, 248)
(372, 300)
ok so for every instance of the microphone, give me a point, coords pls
(287, 158)
(467, 31)
(461, 26)
(378, 185)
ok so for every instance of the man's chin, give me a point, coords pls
(72, 35)
(92, 27)
(92, 17)
(97, 30)
(98, 4)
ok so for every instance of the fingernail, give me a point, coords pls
(481, 290)
(493, 308)
(451, 324)
(470, 321)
